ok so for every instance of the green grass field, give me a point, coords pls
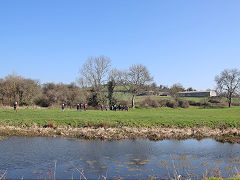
(161, 117)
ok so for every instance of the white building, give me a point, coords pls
(198, 93)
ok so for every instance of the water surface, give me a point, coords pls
(35, 157)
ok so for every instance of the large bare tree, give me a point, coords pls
(94, 74)
(228, 83)
(135, 80)
(95, 70)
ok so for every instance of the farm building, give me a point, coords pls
(198, 94)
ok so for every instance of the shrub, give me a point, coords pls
(214, 100)
(154, 103)
(194, 103)
(172, 104)
(205, 103)
(148, 102)
(163, 103)
(144, 105)
(183, 104)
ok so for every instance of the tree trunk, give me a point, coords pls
(229, 101)
(133, 101)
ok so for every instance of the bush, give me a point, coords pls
(214, 100)
(183, 104)
(172, 104)
(144, 105)
(194, 103)
(163, 103)
(148, 102)
(205, 103)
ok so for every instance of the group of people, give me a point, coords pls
(115, 107)
(79, 107)
(112, 108)
(84, 107)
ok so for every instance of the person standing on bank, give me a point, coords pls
(120, 107)
(78, 107)
(15, 106)
(63, 106)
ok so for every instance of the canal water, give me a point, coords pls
(67, 158)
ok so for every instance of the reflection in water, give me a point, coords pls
(128, 159)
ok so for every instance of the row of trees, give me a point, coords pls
(30, 92)
(97, 84)
(97, 72)
(16, 88)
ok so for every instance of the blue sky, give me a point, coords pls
(180, 41)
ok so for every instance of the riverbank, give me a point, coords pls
(222, 124)
(231, 135)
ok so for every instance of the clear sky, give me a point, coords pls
(180, 41)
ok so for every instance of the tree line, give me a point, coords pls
(95, 86)
(28, 92)
(97, 83)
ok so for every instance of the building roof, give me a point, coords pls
(196, 92)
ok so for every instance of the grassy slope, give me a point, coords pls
(212, 117)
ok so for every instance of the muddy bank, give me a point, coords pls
(231, 135)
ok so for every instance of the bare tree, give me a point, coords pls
(82, 82)
(94, 74)
(135, 79)
(95, 70)
(228, 83)
(116, 75)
